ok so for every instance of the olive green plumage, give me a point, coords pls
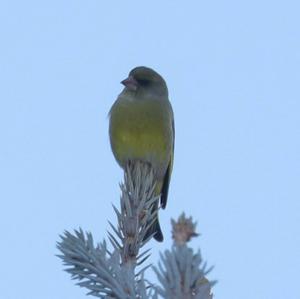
(142, 128)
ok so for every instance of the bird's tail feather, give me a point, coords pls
(155, 230)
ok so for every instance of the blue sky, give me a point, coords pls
(233, 72)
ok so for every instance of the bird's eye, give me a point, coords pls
(143, 82)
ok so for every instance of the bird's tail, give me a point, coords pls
(155, 230)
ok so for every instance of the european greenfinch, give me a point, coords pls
(141, 127)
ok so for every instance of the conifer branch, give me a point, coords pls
(180, 271)
(113, 273)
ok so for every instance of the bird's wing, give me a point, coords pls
(166, 182)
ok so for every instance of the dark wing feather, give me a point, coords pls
(167, 178)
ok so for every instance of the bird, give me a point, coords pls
(141, 127)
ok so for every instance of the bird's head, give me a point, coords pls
(145, 81)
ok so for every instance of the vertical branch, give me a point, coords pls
(180, 272)
(135, 215)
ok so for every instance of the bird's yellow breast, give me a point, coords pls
(141, 130)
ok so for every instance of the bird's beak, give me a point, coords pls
(130, 83)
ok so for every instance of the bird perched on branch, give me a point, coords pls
(141, 128)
